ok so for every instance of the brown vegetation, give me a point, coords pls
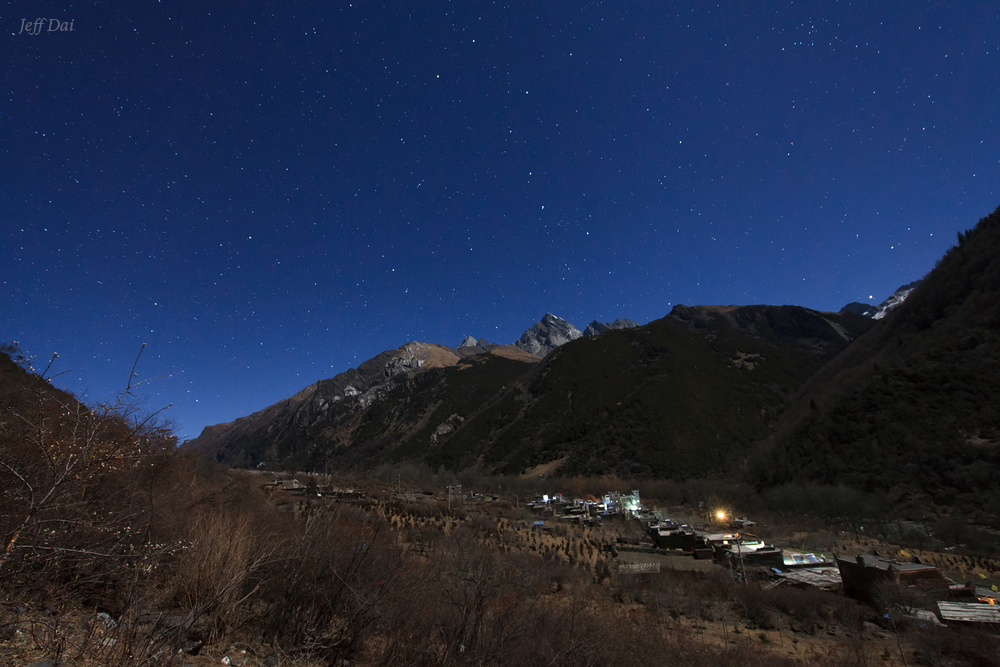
(236, 571)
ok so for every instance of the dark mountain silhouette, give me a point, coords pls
(682, 396)
(912, 408)
(685, 395)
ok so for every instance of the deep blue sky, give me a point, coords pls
(269, 193)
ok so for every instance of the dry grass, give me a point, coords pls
(393, 581)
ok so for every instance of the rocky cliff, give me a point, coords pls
(547, 335)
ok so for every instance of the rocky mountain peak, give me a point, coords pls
(470, 347)
(546, 335)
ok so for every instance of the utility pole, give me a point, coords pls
(739, 550)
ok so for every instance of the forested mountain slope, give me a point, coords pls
(913, 407)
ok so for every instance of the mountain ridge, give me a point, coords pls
(398, 405)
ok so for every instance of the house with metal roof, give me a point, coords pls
(864, 575)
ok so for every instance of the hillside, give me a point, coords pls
(683, 396)
(912, 409)
(19, 388)
(359, 417)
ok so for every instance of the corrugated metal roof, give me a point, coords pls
(969, 612)
(820, 576)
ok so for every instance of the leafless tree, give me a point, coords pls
(67, 473)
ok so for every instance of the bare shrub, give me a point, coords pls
(483, 592)
(220, 568)
(755, 606)
(850, 613)
(73, 509)
(806, 608)
(331, 584)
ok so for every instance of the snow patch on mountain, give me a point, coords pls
(880, 311)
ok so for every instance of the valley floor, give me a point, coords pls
(392, 576)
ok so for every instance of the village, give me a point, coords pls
(646, 540)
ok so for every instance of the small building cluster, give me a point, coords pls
(870, 578)
(591, 510)
(875, 579)
(730, 548)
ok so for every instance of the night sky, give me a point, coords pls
(267, 194)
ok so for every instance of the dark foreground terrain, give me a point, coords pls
(202, 565)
